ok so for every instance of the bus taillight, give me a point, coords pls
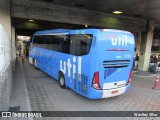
(129, 79)
(95, 81)
(102, 30)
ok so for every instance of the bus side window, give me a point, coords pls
(54, 43)
(36, 41)
(48, 42)
(66, 45)
(43, 41)
(81, 44)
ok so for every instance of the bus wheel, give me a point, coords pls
(62, 81)
(35, 64)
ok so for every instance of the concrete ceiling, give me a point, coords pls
(26, 27)
(145, 9)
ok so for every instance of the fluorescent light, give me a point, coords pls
(26, 38)
(31, 20)
(86, 26)
(117, 12)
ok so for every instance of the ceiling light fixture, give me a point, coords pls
(117, 12)
(31, 20)
(86, 26)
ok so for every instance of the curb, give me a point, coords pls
(26, 91)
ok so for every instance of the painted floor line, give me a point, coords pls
(145, 76)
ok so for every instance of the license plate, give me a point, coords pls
(115, 92)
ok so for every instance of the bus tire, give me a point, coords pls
(35, 64)
(61, 80)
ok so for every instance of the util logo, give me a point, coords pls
(120, 41)
(71, 66)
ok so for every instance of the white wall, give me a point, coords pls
(6, 55)
(5, 50)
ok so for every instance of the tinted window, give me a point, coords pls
(58, 41)
(81, 44)
(71, 44)
(38, 41)
(52, 42)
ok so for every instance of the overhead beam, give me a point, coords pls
(49, 12)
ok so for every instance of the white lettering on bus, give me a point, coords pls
(74, 68)
(69, 65)
(120, 41)
(64, 65)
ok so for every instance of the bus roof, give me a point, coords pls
(52, 31)
(66, 31)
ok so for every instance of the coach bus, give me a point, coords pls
(95, 63)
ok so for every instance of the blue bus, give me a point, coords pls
(95, 63)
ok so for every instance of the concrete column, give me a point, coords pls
(5, 16)
(146, 45)
(138, 42)
(13, 44)
(6, 71)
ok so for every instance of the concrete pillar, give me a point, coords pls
(5, 16)
(146, 45)
(138, 42)
(138, 38)
(13, 46)
(6, 71)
